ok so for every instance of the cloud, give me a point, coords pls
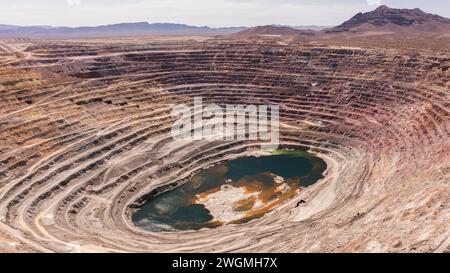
(374, 2)
(73, 2)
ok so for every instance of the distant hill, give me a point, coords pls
(115, 30)
(385, 19)
(272, 30)
(306, 27)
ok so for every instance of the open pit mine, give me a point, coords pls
(86, 149)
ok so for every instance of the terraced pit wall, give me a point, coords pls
(85, 135)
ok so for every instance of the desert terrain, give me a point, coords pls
(85, 140)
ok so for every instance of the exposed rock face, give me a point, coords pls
(385, 18)
(85, 133)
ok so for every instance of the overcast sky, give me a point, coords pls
(198, 12)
